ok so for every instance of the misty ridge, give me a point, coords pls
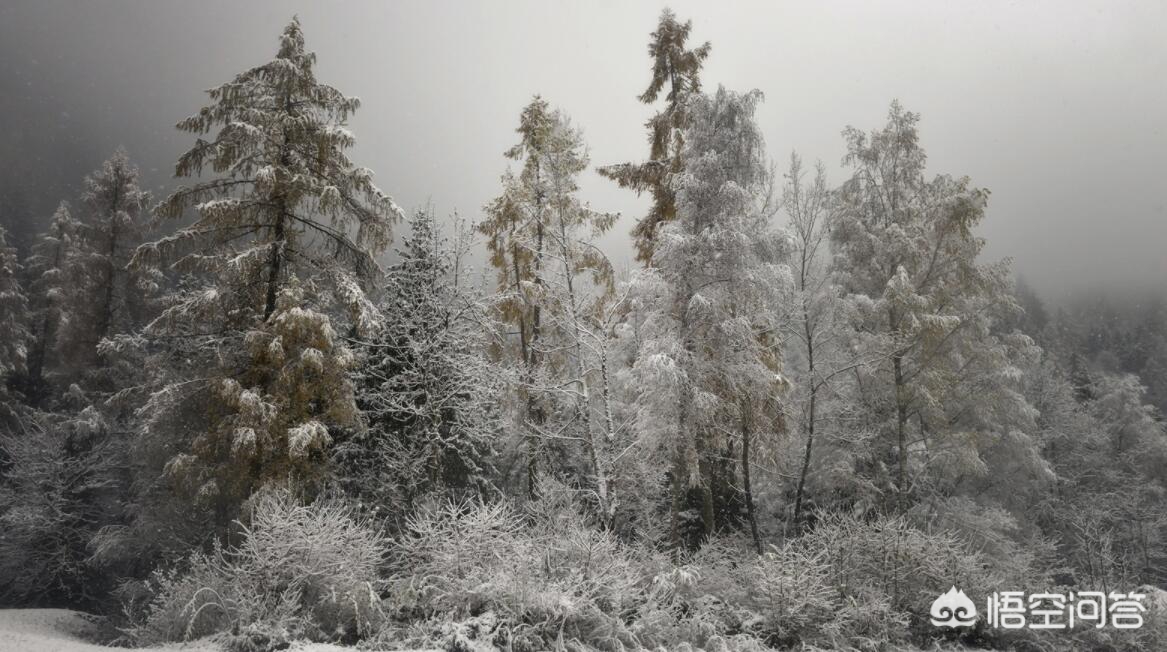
(781, 406)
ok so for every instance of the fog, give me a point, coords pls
(1056, 107)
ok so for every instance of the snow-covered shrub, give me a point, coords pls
(57, 485)
(887, 561)
(727, 597)
(780, 596)
(297, 572)
(511, 578)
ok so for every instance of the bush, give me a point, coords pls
(57, 484)
(484, 577)
(472, 571)
(298, 572)
(895, 570)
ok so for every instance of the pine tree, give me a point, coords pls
(114, 220)
(251, 375)
(679, 69)
(288, 190)
(104, 298)
(424, 385)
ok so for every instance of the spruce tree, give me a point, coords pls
(105, 297)
(428, 393)
(52, 269)
(14, 315)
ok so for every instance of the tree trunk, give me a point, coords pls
(274, 264)
(106, 315)
(901, 430)
(810, 416)
(746, 477)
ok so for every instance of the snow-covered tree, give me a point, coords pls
(252, 374)
(709, 364)
(944, 390)
(52, 270)
(114, 217)
(58, 488)
(428, 393)
(581, 309)
(14, 315)
(678, 68)
(288, 197)
(535, 222)
(86, 291)
(818, 338)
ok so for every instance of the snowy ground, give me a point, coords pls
(61, 630)
(55, 630)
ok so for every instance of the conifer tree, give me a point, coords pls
(114, 223)
(287, 191)
(424, 385)
(251, 379)
(677, 68)
(58, 489)
(14, 315)
(521, 227)
(52, 269)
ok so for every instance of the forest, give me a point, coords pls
(274, 408)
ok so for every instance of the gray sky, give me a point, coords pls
(1056, 107)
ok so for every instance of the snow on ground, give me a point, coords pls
(61, 630)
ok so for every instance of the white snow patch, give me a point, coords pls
(62, 630)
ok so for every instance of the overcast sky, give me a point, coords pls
(1056, 107)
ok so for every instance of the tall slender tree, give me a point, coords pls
(706, 314)
(677, 68)
(14, 315)
(533, 222)
(108, 298)
(52, 269)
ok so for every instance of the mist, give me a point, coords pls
(255, 398)
(1056, 108)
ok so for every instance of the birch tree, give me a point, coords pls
(705, 315)
(581, 310)
(818, 329)
(944, 390)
